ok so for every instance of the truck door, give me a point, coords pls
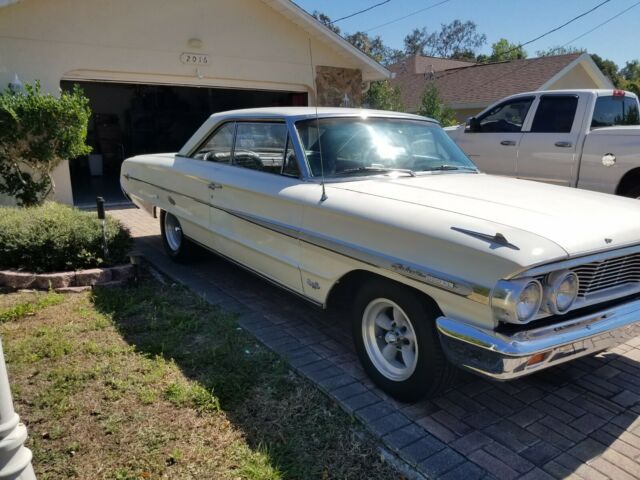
(492, 139)
(548, 149)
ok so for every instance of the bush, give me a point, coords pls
(55, 237)
(37, 132)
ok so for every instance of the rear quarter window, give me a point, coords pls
(615, 110)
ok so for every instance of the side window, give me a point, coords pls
(615, 110)
(260, 146)
(218, 147)
(506, 117)
(555, 114)
(290, 167)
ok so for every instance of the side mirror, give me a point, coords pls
(473, 125)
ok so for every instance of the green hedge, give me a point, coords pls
(54, 237)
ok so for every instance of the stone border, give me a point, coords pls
(61, 281)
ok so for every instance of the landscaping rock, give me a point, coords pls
(84, 288)
(92, 276)
(121, 272)
(45, 281)
(16, 280)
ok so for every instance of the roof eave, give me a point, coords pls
(374, 70)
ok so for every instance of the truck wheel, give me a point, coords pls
(177, 246)
(632, 192)
(396, 339)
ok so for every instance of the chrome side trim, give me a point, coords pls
(504, 357)
(373, 258)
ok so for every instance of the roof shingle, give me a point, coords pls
(481, 84)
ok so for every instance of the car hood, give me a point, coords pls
(578, 221)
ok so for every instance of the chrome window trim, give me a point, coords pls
(419, 273)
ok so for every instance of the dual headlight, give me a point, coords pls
(520, 301)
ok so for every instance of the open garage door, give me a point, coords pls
(131, 119)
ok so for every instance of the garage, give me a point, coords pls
(130, 119)
(166, 67)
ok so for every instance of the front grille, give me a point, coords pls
(604, 274)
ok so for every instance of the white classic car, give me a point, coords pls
(443, 266)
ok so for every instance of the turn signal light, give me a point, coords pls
(537, 358)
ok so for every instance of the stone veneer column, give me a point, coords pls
(338, 87)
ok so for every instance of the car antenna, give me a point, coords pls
(315, 92)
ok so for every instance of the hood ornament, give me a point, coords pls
(496, 241)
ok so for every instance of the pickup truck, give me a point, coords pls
(586, 139)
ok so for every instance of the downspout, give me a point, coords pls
(15, 458)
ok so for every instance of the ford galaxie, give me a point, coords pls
(443, 266)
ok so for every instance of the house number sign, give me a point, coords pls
(194, 59)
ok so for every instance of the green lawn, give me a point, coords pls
(152, 382)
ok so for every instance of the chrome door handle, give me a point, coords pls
(508, 143)
(215, 186)
(564, 144)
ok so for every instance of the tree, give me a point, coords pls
(374, 47)
(609, 68)
(559, 50)
(37, 132)
(503, 51)
(631, 77)
(382, 95)
(457, 37)
(454, 40)
(326, 21)
(432, 106)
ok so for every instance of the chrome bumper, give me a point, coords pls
(504, 357)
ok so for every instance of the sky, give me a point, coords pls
(516, 20)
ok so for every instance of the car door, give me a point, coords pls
(255, 197)
(547, 151)
(492, 139)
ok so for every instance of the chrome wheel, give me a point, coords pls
(172, 232)
(389, 339)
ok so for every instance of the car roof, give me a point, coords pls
(310, 112)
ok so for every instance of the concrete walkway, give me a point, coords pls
(574, 421)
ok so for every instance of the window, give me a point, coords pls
(218, 147)
(506, 117)
(260, 146)
(290, 167)
(378, 146)
(615, 110)
(555, 114)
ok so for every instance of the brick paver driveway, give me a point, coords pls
(574, 421)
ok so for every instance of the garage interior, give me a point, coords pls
(132, 119)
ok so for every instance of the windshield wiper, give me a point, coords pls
(378, 170)
(451, 167)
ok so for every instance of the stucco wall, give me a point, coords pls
(575, 78)
(249, 44)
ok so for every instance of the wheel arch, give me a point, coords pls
(630, 179)
(354, 278)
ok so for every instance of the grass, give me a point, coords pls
(152, 382)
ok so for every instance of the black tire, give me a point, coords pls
(184, 250)
(433, 373)
(632, 192)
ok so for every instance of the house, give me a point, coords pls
(469, 88)
(155, 69)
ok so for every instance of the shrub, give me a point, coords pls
(54, 237)
(37, 132)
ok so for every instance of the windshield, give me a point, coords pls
(365, 146)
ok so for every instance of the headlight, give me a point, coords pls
(561, 290)
(516, 301)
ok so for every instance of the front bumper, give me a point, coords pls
(504, 357)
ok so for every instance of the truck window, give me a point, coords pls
(555, 114)
(506, 117)
(615, 110)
